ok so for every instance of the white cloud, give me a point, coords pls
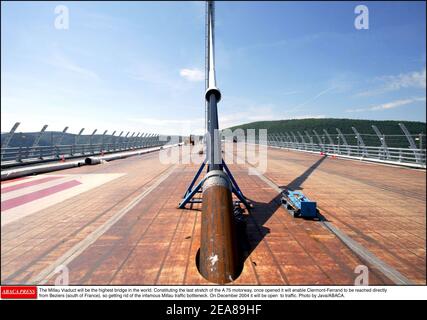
(59, 60)
(315, 97)
(415, 79)
(192, 74)
(405, 80)
(389, 105)
(288, 93)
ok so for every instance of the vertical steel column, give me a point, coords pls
(301, 136)
(142, 139)
(58, 143)
(295, 140)
(154, 140)
(321, 143)
(129, 140)
(76, 140)
(123, 142)
(282, 139)
(292, 142)
(118, 138)
(102, 140)
(304, 144)
(344, 140)
(148, 140)
(218, 259)
(110, 141)
(330, 140)
(8, 138)
(360, 140)
(273, 139)
(411, 142)
(90, 140)
(277, 138)
(135, 140)
(206, 64)
(381, 137)
(37, 140)
(61, 137)
(310, 139)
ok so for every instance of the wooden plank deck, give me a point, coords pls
(129, 231)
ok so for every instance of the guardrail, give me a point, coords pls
(402, 156)
(20, 155)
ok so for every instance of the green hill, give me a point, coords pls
(394, 135)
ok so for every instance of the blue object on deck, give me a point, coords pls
(305, 207)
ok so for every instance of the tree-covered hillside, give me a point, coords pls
(363, 126)
(391, 129)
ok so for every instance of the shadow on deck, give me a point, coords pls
(252, 231)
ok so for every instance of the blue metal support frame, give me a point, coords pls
(190, 192)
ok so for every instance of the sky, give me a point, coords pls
(139, 66)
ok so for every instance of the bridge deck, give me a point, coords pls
(118, 223)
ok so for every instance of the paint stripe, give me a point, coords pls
(14, 180)
(31, 189)
(18, 201)
(367, 256)
(355, 247)
(29, 184)
(44, 276)
(88, 182)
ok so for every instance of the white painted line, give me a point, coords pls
(367, 256)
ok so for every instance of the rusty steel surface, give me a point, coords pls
(154, 242)
(218, 260)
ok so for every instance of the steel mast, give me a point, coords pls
(218, 259)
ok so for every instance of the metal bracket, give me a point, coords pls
(191, 190)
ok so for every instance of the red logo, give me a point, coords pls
(19, 292)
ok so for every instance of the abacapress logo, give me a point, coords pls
(19, 292)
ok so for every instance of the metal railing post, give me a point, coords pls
(361, 142)
(411, 142)
(381, 137)
(37, 140)
(90, 141)
(5, 143)
(76, 140)
(102, 141)
(344, 140)
(110, 141)
(332, 144)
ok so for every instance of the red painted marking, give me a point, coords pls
(28, 184)
(19, 201)
(13, 180)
